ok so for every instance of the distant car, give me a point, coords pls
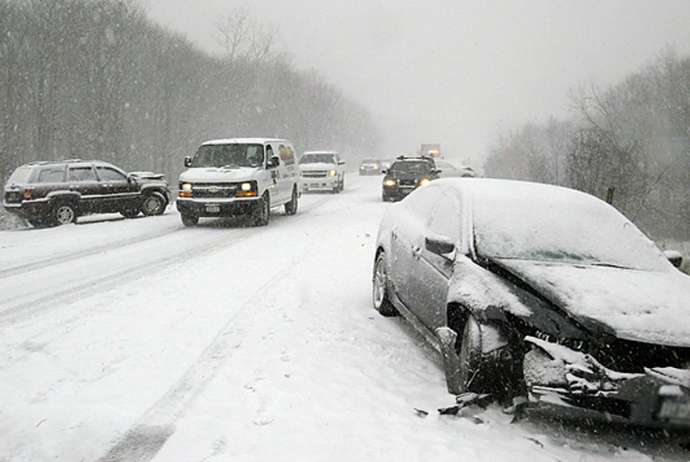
(448, 170)
(405, 175)
(56, 193)
(370, 166)
(322, 171)
(540, 291)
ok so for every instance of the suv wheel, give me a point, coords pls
(129, 212)
(189, 220)
(382, 303)
(64, 213)
(262, 211)
(153, 204)
(291, 207)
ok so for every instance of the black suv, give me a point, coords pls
(405, 175)
(56, 193)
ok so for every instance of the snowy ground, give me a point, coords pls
(126, 340)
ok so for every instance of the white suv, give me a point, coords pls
(240, 176)
(322, 171)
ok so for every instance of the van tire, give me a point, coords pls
(262, 211)
(189, 220)
(63, 213)
(291, 207)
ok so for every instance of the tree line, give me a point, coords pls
(628, 142)
(96, 79)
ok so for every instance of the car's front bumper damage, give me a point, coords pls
(556, 375)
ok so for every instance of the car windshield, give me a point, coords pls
(557, 225)
(317, 159)
(420, 167)
(370, 161)
(229, 155)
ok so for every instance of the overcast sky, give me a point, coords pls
(454, 72)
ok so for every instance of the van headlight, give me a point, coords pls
(246, 186)
(186, 187)
(332, 173)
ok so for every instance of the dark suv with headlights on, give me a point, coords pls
(56, 193)
(405, 175)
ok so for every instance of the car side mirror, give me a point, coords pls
(675, 257)
(341, 162)
(440, 245)
(187, 161)
(131, 179)
(384, 170)
(273, 162)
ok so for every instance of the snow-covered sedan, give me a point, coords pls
(539, 291)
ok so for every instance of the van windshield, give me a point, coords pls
(229, 155)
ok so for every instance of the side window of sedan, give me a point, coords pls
(445, 217)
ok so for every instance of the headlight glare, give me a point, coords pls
(424, 182)
(389, 182)
(332, 173)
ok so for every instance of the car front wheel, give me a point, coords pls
(382, 303)
(262, 211)
(291, 207)
(189, 220)
(153, 204)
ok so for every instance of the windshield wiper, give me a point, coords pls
(611, 265)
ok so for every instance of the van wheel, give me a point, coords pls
(129, 212)
(189, 220)
(262, 211)
(291, 207)
(64, 213)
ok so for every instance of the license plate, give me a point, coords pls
(673, 409)
(212, 208)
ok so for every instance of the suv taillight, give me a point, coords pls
(28, 193)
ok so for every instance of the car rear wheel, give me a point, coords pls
(382, 303)
(64, 213)
(189, 220)
(153, 204)
(291, 207)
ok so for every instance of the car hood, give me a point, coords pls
(219, 175)
(317, 166)
(643, 306)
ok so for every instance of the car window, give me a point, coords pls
(110, 174)
(82, 173)
(422, 200)
(21, 175)
(50, 175)
(445, 218)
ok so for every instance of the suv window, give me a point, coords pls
(421, 167)
(21, 175)
(317, 159)
(82, 173)
(110, 174)
(51, 175)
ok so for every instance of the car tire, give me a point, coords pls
(291, 207)
(63, 213)
(380, 286)
(189, 220)
(262, 211)
(129, 212)
(153, 204)
(342, 183)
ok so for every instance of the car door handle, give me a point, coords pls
(416, 251)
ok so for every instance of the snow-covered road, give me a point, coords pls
(140, 340)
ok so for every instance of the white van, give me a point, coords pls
(239, 176)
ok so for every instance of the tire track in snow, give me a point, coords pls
(145, 439)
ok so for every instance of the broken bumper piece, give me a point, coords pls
(559, 376)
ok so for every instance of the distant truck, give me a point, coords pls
(431, 150)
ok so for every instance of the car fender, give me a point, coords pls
(145, 188)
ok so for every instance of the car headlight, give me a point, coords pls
(186, 186)
(332, 173)
(424, 182)
(246, 187)
(389, 183)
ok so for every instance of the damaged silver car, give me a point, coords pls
(537, 291)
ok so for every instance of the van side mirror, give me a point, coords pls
(341, 162)
(675, 257)
(187, 161)
(273, 162)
